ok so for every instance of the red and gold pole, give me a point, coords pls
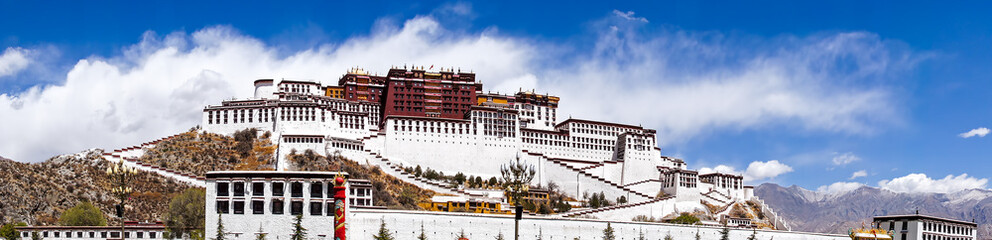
(340, 196)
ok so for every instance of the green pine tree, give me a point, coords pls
(461, 234)
(697, 235)
(220, 228)
(668, 236)
(608, 233)
(540, 234)
(500, 236)
(384, 233)
(641, 236)
(754, 235)
(261, 234)
(423, 236)
(725, 233)
(299, 233)
(9, 232)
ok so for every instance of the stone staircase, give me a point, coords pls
(709, 196)
(586, 174)
(642, 181)
(615, 207)
(397, 171)
(130, 157)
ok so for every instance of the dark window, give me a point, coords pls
(296, 208)
(258, 189)
(277, 189)
(316, 190)
(115, 234)
(103, 234)
(56, 234)
(127, 234)
(257, 207)
(222, 207)
(277, 207)
(79, 234)
(222, 188)
(239, 207)
(92, 234)
(151, 234)
(141, 234)
(315, 208)
(239, 189)
(297, 189)
(330, 209)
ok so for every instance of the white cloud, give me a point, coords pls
(629, 15)
(844, 159)
(685, 83)
(755, 171)
(858, 174)
(719, 169)
(980, 132)
(758, 170)
(160, 85)
(919, 182)
(13, 60)
(839, 187)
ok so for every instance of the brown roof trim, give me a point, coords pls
(921, 217)
(597, 122)
(429, 118)
(263, 81)
(720, 174)
(299, 81)
(272, 174)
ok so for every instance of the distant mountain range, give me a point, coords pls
(812, 211)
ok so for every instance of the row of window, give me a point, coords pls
(303, 139)
(237, 189)
(945, 228)
(723, 182)
(683, 180)
(276, 207)
(296, 88)
(939, 237)
(91, 234)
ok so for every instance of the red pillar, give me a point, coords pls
(340, 196)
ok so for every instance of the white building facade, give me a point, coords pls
(581, 156)
(253, 203)
(923, 227)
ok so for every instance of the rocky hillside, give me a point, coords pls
(807, 210)
(38, 193)
(389, 191)
(201, 152)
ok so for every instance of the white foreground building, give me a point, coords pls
(251, 203)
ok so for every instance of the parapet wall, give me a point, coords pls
(364, 223)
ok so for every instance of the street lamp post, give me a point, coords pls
(121, 177)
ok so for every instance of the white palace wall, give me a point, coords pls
(363, 223)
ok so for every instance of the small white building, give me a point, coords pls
(359, 193)
(250, 203)
(132, 230)
(923, 227)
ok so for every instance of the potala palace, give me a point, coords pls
(445, 120)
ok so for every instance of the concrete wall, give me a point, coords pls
(363, 223)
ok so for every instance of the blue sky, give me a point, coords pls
(888, 87)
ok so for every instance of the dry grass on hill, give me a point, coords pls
(38, 193)
(388, 191)
(201, 152)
